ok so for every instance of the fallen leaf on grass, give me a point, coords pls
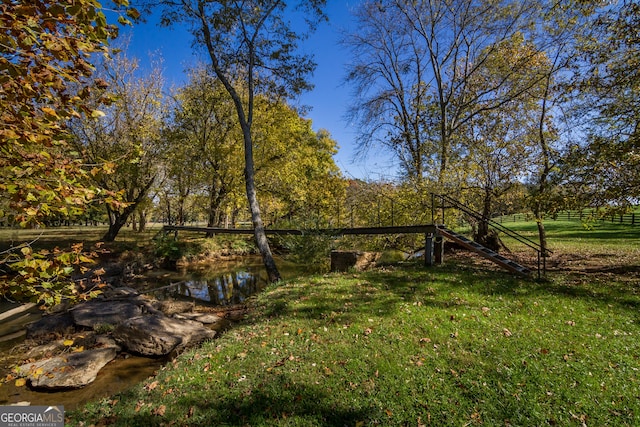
(151, 386)
(160, 410)
(507, 333)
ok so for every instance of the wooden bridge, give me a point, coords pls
(434, 240)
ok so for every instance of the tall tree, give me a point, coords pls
(498, 145)
(389, 74)
(206, 135)
(294, 164)
(606, 167)
(126, 135)
(557, 31)
(415, 65)
(253, 40)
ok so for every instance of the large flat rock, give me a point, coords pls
(49, 326)
(158, 335)
(71, 370)
(97, 312)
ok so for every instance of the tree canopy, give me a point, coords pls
(255, 41)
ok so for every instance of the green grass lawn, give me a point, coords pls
(459, 344)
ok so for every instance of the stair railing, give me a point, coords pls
(541, 254)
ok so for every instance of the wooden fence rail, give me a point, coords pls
(587, 215)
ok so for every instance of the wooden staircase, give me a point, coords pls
(487, 253)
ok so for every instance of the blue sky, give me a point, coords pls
(328, 101)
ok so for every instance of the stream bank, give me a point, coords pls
(168, 297)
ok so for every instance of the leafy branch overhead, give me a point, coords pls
(45, 65)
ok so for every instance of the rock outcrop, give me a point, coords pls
(342, 261)
(74, 345)
(159, 335)
(71, 370)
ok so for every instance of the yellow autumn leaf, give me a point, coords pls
(21, 382)
(67, 343)
(49, 111)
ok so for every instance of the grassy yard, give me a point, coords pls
(64, 237)
(459, 344)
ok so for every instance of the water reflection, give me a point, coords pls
(227, 289)
(221, 283)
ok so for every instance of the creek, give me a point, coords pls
(220, 284)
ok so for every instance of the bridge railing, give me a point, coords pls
(450, 202)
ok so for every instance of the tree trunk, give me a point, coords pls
(168, 210)
(483, 225)
(142, 224)
(258, 226)
(542, 235)
(116, 222)
(256, 218)
(246, 119)
(180, 214)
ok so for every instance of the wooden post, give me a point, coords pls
(439, 249)
(428, 250)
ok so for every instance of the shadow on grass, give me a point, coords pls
(344, 304)
(381, 293)
(614, 286)
(292, 404)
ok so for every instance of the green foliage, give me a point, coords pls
(310, 249)
(104, 328)
(204, 145)
(295, 167)
(605, 169)
(226, 245)
(46, 277)
(169, 248)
